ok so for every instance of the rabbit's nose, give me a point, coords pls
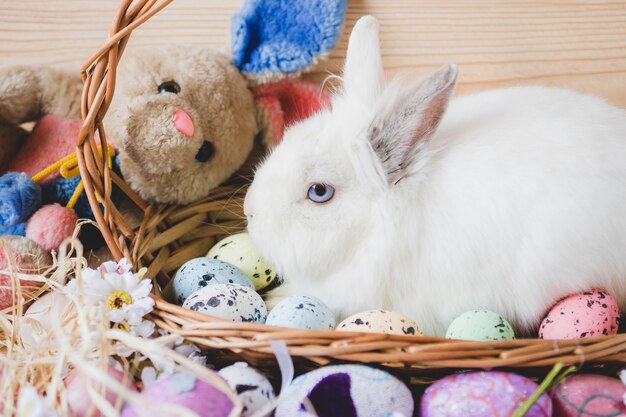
(183, 123)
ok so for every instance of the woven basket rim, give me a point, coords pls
(412, 354)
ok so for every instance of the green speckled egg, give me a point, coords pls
(480, 325)
(239, 251)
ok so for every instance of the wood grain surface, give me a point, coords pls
(573, 44)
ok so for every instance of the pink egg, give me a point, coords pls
(183, 390)
(589, 395)
(78, 397)
(586, 314)
(482, 394)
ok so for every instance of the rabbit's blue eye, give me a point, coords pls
(321, 193)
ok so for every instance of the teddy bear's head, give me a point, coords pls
(183, 120)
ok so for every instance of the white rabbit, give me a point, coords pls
(509, 200)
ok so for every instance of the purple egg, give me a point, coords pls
(482, 394)
(183, 390)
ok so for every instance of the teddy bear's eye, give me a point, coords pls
(169, 87)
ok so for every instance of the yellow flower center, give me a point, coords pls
(117, 299)
(124, 326)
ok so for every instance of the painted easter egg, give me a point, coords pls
(347, 391)
(302, 312)
(482, 394)
(239, 251)
(593, 313)
(229, 302)
(200, 272)
(78, 397)
(587, 395)
(37, 327)
(183, 390)
(480, 325)
(253, 388)
(27, 257)
(380, 321)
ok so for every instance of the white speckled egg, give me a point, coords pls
(347, 391)
(380, 321)
(200, 272)
(302, 312)
(229, 302)
(253, 388)
(239, 251)
(480, 325)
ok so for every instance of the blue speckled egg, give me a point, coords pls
(302, 312)
(346, 391)
(252, 387)
(200, 272)
(229, 302)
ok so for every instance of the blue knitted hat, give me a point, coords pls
(271, 37)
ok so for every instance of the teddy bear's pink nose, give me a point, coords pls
(183, 123)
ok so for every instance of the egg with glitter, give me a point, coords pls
(480, 325)
(238, 250)
(380, 321)
(593, 313)
(302, 312)
(482, 394)
(587, 395)
(229, 302)
(200, 272)
(253, 388)
(346, 391)
(184, 391)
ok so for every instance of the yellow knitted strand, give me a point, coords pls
(68, 168)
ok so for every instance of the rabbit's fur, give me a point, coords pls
(509, 200)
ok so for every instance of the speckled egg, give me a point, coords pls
(302, 312)
(229, 302)
(480, 325)
(587, 395)
(346, 391)
(239, 251)
(380, 321)
(200, 272)
(482, 394)
(182, 390)
(253, 388)
(593, 313)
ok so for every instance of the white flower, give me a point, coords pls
(124, 294)
(164, 366)
(31, 404)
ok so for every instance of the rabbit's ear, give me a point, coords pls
(363, 75)
(407, 119)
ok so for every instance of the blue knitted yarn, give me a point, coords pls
(17, 230)
(61, 190)
(19, 198)
(277, 36)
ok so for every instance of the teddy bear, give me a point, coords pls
(182, 121)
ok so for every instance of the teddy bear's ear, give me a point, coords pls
(274, 38)
(284, 103)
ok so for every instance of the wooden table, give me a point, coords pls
(574, 44)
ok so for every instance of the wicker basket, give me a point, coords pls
(168, 236)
